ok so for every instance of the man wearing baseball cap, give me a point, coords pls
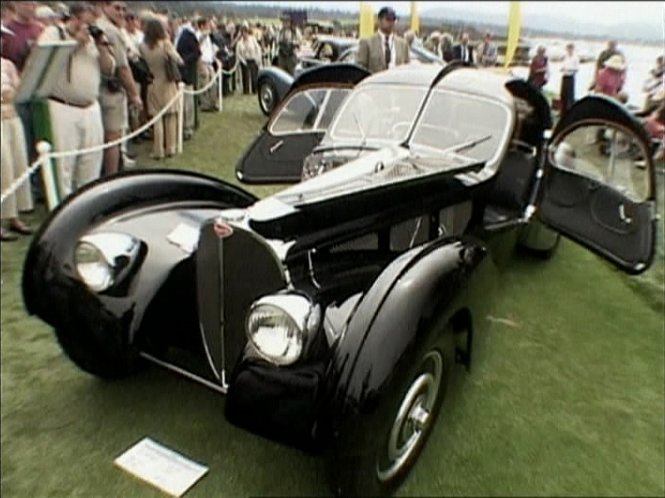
(384, 49)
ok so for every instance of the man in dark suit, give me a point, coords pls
(187, 45)
(383, 50)
(463, 51)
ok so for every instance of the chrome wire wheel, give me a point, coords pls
(413, 420)
(267, 97)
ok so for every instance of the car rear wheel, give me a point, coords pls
(267, 96)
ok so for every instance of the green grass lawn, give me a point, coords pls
(565, 397)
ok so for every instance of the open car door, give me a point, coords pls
(599, 185)
(298, 124)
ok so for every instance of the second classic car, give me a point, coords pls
(333, 313)
(274, 83)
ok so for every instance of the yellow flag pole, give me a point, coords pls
(415, 19)
(514, 24)
(366, 21)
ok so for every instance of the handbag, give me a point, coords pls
(172, 69)
(141, 70)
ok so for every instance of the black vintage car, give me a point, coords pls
(274, 83)
(333, 313)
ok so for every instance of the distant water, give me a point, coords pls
(640, 59)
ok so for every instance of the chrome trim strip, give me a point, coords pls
(222, 389)
(207, 352)
(222, 294)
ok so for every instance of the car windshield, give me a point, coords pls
(472, 126)
(377, 113)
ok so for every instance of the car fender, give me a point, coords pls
(421, 282)
(52, 288)
(281, 79)
(420, 293)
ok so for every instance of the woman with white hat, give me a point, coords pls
(611, 78)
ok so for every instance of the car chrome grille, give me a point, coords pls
(232, 272)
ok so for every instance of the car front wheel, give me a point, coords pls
(413, 421)
(267, 96)
(382, 447)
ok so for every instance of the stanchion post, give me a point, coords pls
(220, 79)
(181, 115)
(48, 175)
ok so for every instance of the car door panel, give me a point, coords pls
(279, 159)
(297, 125)
(599, 218)
(599, 185)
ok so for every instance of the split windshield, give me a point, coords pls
(384, 115)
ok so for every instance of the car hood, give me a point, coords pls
(380, 182)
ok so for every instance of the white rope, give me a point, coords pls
(212, 81)
(44, 158)
(207, 87)
(21, 180)
(56, 155)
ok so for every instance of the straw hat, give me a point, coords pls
(615, 62)
(45, 12)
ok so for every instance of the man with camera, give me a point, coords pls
(74, 110)
(116, 89)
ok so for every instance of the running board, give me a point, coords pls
(215, 387)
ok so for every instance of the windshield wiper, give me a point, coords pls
(468, 144)
(362, 132)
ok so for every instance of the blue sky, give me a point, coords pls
(604, 13)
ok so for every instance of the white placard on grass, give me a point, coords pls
(160, 466)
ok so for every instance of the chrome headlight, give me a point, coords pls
(278, 326)
(102, 259)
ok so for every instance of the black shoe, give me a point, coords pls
(21, 228)
(5, 236)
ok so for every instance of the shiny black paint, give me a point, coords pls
(147, 205)
(412, 304)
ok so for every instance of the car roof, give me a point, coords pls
(336, 40)
(488, 83)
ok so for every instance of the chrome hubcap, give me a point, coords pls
(413, 417)
(266, 97)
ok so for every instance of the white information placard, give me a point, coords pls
(186, 237)
(160, 466)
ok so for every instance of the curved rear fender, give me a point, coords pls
(280, 78)
(417, 294)
(51, 286)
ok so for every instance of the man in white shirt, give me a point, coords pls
(383, 50)
(569, 67)
(208, 99)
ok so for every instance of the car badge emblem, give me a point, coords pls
(222, 229)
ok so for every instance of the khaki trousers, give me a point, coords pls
(207, 99)
(14, 163)
(188, 111)
(165, 135)
(76, 128)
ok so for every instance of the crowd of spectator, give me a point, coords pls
(116, 80)
(127, 65)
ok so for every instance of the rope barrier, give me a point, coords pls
(45, 149)
(21, 179)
